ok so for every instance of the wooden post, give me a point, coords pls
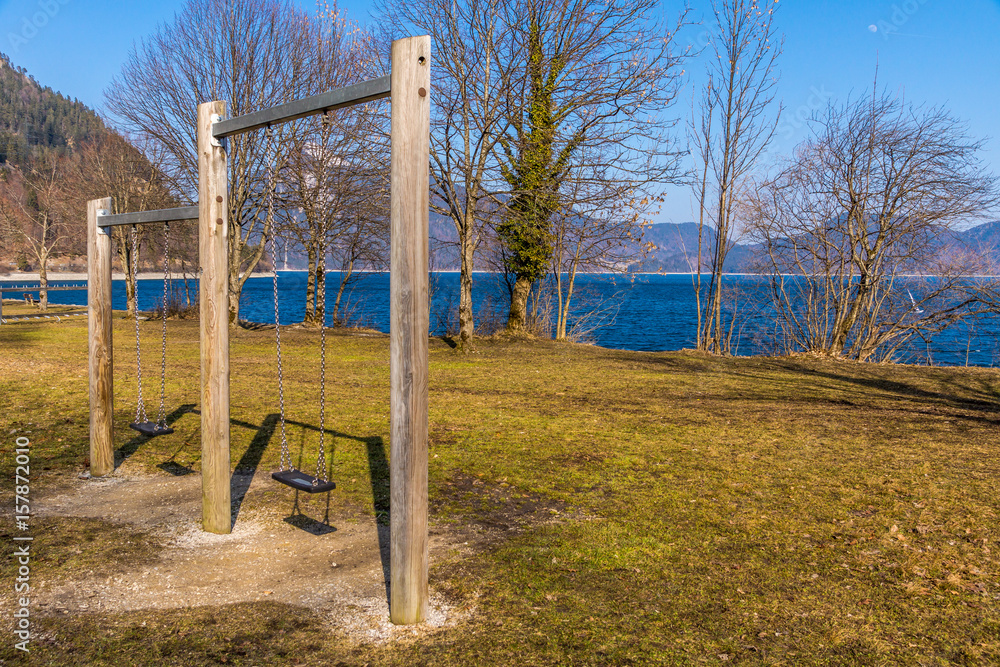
(409, 328)
(101, 355)
(213, 252)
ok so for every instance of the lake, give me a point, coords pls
(641, 312)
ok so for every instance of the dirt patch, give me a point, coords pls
(338, 570)
(492, 511)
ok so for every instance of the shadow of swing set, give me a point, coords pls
(407, 86)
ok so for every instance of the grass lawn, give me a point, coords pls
(791, 511)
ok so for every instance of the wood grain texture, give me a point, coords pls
(409, 328)
(101, 351)
(213, 253)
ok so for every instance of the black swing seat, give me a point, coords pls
(302, 482)
(151, 429)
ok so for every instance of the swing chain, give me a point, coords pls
(161, 420)
(271, 167)
(140, 408)
(321, 458)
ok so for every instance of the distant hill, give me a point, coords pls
(985, 236)
(677, 247)
(35, 118)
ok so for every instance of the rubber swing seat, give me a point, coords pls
(151, 429)
(302, 482)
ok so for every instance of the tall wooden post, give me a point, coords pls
(213, 252)
(101, 355)
(409, 328)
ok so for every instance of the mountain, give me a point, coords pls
(677, 247)
(985, 237)
(35, 118)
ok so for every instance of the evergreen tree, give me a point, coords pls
(35, 120)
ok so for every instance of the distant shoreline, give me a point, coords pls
(115, 275)
(152, 275)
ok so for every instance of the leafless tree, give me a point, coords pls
(589, 128)
(601, 233)
(246, 52)
(731, 128)
(36, 210)
(470, 91)
(336, 183)
(856, 231)
(110, 166)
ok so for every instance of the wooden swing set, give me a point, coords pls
(408, 87)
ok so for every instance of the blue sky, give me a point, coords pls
(938, 52)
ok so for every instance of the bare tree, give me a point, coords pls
(36, 209)
(340, 199)
(601, 233)
(470, 92)
(336, 180)
(731, 129)
(592, 82)
(856, 232)
(110, 166)
(246, 52)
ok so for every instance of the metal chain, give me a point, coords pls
(321, 458)
(140, 408)
(161, 420)
(285, 456)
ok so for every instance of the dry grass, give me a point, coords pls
(751, 511)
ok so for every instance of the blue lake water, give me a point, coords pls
(644, 312)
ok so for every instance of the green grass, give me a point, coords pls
(721, 511)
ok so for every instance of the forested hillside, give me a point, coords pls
(34, 118)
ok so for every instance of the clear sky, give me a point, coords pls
(940, 52)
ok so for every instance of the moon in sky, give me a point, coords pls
(873, 27)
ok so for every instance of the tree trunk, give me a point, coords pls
(235, 289)
(43, 282)
(236, 257)
(187, 293)
(310, 317)
(130, 296)
(321, 291)
(518, 317)
(124, 244)
(466, 324)
(344, 277)
(564, 302)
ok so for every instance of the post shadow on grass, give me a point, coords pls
(247, 466)
(983, 405)
(378, 469)
(132, 446)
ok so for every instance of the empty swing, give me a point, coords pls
(142, 423)
(288, 474)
